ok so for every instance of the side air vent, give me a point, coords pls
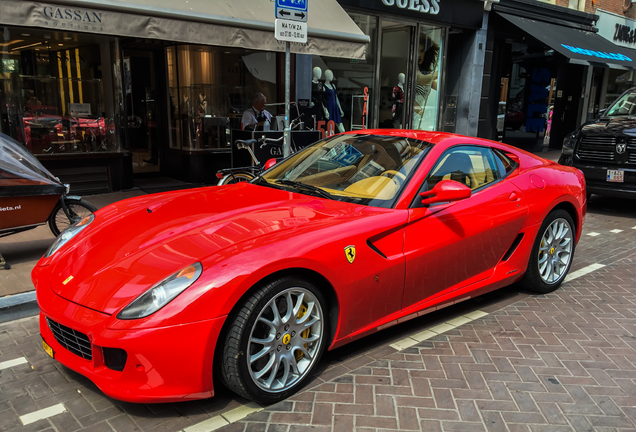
(375, 249)
(513, 247)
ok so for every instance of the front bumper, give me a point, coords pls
(596, 181)
(164, 364)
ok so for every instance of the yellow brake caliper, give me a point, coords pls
(305, 334)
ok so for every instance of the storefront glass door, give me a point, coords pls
(141, 127)
(395, 66)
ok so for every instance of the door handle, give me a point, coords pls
(514, 197)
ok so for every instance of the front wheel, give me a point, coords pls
(237, 177)
(78, 209)
(275, 340)
(552, 253)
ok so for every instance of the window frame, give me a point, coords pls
(416, 203)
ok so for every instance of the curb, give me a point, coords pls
(17, 300)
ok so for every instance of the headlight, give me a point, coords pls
(68, 234)
(161, 294)
(568, 143)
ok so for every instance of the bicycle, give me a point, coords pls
(249, 173)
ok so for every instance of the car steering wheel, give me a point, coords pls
(401, 177)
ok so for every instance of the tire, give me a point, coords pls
(555, 239)
(290, 349)
(235, 178)
(78, 208)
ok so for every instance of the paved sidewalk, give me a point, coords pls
(559, 362)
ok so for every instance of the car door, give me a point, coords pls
(450, 245)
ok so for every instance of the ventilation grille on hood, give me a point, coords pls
(74, 341)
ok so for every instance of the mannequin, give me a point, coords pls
(426, 79)
(334, 109)
(398, 102)
(318, 102)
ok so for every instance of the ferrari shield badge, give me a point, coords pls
(350, 253)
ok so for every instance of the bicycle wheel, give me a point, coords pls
(236, 177)
(78, 209)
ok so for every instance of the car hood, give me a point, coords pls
(136, 243)
(611, 126)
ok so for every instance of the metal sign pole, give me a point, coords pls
(287, 133)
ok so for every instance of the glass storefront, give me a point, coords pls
(211, 87)
(340, 90)
(52, 91)
(430, 51)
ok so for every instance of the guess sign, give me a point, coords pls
(423, 6)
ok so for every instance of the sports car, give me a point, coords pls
(164, 297)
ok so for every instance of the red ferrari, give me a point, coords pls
(161, 297)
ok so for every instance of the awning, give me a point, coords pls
(231, 23)
(579, 46)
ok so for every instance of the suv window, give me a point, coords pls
(625, 105)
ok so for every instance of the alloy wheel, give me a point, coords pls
(555, 251)
(285, 340)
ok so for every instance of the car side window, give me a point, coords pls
(470, 165)
(505, 164)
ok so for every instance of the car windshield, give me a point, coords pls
(362, 168)
(624, 106)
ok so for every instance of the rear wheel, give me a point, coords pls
(78, 209)
(275, 340)
(552, 253)
(235, 178)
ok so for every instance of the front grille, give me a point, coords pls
(597, 149)
(74, 341)
(115, 358)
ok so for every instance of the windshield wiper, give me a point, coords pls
(306, 187)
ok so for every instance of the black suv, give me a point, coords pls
(605, 149)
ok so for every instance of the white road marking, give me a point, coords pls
(423, 335)
(616, 231)
(42, 414)
(225, 419)
(593, 234)
(15, 362)
(583, 272)
(634, 227)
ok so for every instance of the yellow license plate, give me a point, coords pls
(48, 349)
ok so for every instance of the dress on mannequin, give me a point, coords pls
(331, 95)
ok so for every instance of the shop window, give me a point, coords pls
(395, 67)
(430, 51)
(51, 93)
(340, 90)
(211, 87)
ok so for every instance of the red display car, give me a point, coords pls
(163, 297)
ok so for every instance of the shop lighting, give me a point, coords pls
(25, 34)
(26, 46)
(61, 44)
(5, 44)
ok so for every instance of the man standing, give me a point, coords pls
(257, 118)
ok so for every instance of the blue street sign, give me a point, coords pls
(299, 5)
(294, 10)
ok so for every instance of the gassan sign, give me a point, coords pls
(71, 18)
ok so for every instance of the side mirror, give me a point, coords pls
(444, 191)
(270, 163)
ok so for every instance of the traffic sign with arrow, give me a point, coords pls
(294, 10)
